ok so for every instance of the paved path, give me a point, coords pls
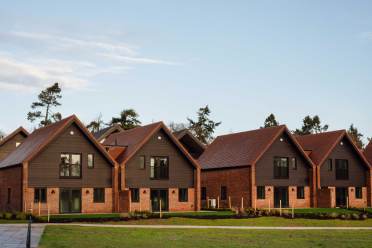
(14, 235)
(218, 227)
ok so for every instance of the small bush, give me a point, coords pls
(140, 215)
(21, 216)
(333, 215)
(363, 216)
(355, 216)
(8, 216)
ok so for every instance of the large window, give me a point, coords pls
(260, 192)
(90, 160)
(183, 195)
(159, 168)
(134, 195)
(204, 193)
(223, 193)
(99, 195)
(40, 195)
(342, 169)
(281, 165)
(300, 193)
(70, 166)
(358, 193)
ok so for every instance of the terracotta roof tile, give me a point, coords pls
(320, 144)
(238, 149)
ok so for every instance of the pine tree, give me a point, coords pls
(96, 125)
(356, 136)
(271, 121)
(311, 125)
(42, 109)
(203, 128)
(128, 119)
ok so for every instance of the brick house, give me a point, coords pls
(343, 173)
(154, 168)
(59, 168)
(261, 168)
(9, 143)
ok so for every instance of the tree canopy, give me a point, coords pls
(96, 124)
(356, 136)
(311, 125)
(271, 121)
(128, 119)
(176, 127)
(43, 109)
(203, 127)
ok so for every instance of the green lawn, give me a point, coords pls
(93, 237)
(262, 221)
(324, 210)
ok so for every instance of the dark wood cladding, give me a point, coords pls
(44, 169)
(10, 145)
(181, 171)
(11, 178)
(285, 148)
(357, 171)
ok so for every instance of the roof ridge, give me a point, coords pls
(250, 131)
(322, 133)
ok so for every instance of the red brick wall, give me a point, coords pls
(237, 181)
(175, 205)
(42, 208)
(11, 178)
(88, 206)
(357, 203)
(144, 203)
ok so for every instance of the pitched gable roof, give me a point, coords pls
(243, 149)
(104, 133)
(41, 137)
(191, 143)
(20, 130)
(368, 152)
(322, 144)
(132, 140)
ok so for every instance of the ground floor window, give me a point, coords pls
(40, 195)
(260, 192)
(204, 193)
(300, 193)
(182, 195)
(134, 195)
(358, 193)
(223, 193)
(99, 195)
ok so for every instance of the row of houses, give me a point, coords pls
(63, 168)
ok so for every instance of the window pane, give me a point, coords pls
(329, 165)
(135, 196)
(294, 163)
(261, 192)
(90, 160)
(64, 166)
(99, 195)
(75, 165)
(281, 167)
(342, 169)
(358, 192)
(204, 193)
(152, 168)
(300, 193)
(159, 168)
(142, 162)
(223, 193)
(36, 195)
(182, 195)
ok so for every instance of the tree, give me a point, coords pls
(96, 125)
(203, 128)
(356, 136)
(271, 121)
(311, 125)
(176, 127)
(42, 109)
(128, 119)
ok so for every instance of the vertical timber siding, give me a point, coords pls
(10, 145)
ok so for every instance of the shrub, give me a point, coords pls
(21, 216)
(333, 215)
(140, 215)
(355, 216)
(363, 216)
(8, 216)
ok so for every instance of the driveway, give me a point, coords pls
(14, 235)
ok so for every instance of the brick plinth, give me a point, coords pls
(175, 205)
(144, 203)
(89, 206)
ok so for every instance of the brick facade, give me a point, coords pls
(88, 206)
(11, 181)
(238, 184)
(144, 204)
(176, 205)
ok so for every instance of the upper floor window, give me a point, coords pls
(70, 166)
(294, 164)
(329, 165)
(142, 162)
(18, 143)
(159, 168)
(90, 160)
(281, 166)
(342, 169)
(40, 195)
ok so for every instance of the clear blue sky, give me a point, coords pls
(165, 59)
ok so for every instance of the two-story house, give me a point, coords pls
(59, 168)
(343, 173)
(262, 168)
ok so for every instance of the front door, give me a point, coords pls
(70, 201)
(157, 196)
(281, 197)
(341, 197)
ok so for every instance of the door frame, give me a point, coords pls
(70, 192)
(167, 197)
(280, 191)
(346, 190)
